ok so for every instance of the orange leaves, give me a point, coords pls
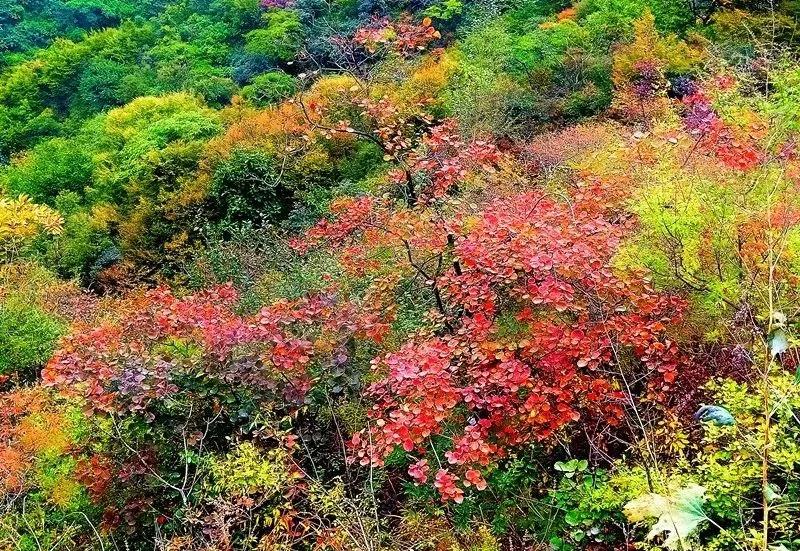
(570, 13)
(13, 466)
(276, 128)
(32, 423)
(44, 432)
(474, 478)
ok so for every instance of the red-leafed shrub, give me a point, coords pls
(403, 36)
(124, 366)
(542, 332)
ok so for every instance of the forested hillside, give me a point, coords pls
(434, 275)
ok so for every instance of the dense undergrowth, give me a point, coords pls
(399, 274)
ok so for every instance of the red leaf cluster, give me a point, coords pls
(738, 152)
(125, 366)
(545, 330)
(403, 36)
(445, 159)
(95, 474)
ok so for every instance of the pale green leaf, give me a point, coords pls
(677, 515)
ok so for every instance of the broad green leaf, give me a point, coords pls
(573, 518)
(677, 516)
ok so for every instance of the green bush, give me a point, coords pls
(80, 243)
(269, 88)
(281, 38)
(27, 338)
(49, 168)
(248, 188)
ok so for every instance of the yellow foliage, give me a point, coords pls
(44, 433)
(102, 214)
(192, 191)
(435, 71)
(34, 284)
(671, 53)
(424, 531)
(277, 129)
(64, 492)
(21, 220)
(178, 242)
(333, 90)
(249, 470)
(429, 78)
(745, 26)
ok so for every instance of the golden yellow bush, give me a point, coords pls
(21, 220)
